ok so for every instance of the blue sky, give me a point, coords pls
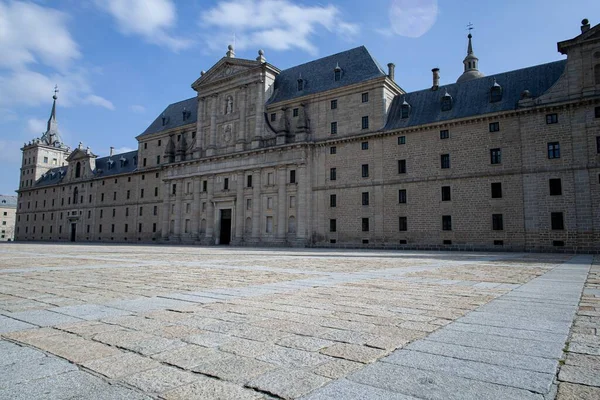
(119, 63)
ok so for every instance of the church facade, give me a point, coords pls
(335, 153)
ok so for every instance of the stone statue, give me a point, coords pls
(229, 105)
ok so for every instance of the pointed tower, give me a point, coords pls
(470, 64)
(44, 153)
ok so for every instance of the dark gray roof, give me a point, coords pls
(473, 97)
(52, 177)
(173, 115)
(116, 164)
(8, 201)
(357, 66)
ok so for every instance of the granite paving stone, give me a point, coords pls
(43, 317)
(190, 356)
(11, 353)
(211, 389)
(337, 368)
(569, 391)
(353, 352)
(11, 325)
(159, 379)
(234, 368)
(289, 383)
(287, 357)
(348, 390)
(33, 369)
(120, 365)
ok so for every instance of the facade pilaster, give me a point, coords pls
(196, 207)
(241, 139)
(260, 110)
(177, 217)
(166, 211)
(256, 204)
(239, 207)
(210, 209)
(213, 125)
(301, 214)
(281, 202)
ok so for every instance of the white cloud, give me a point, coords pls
(412, 18)
(98, 101)
(136, 108)
(36, 125)
(275, 24)
(150, 19)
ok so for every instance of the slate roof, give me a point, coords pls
(8, 201)
(56, 175)
(473, 97)
(357, 66)
(174, 116)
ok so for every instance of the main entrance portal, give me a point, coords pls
(225, 232)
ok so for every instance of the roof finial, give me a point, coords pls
(55, 91)
(230, 52)
(470, 47)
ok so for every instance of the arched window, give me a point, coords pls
(292, 225)
(597, 74)
(78, 170)
(75, 194)
(248, 227)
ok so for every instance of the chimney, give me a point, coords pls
(585, 25)
(112, 149)
(391, 67)
(436, 78)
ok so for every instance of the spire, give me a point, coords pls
(51, 136)
(52, 125)
(470, 62)
(470, 47)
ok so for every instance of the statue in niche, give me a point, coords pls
(229, 105)
(227, 133)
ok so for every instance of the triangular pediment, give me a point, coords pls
(80, 154)
(225, 69)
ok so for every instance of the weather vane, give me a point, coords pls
(55, 91)
(470, 27)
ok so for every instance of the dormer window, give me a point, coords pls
(110, 164)
(134, 160)
(123, 161)
(337, 73)
(165, 120)
(300, 84)
(405, 109)
(446, 102)
(495, 92)
(186, 114)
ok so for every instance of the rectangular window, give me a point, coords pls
(140, 226)
(496, 190)
(273, 117)
(204, 186)
(597, 112)
(114, 212)
(144, 162)
(557, 221)
(249, 181)
(365, 123)
(155, 210)
(365, 170)
(156, 191)
(269, 227)
(226, 184)
(598, 144)
(142, 193)
(402, 224)
(332, 174)
(128, 194)
(100, 228)
(401, 140)
(401, 166)
(496, 156)
(494, 126)
(555, 187)
(365, 224)
(402, 196)
(114, 196)
(126, 228)
(444, 134)
(145, 146)
(445, 161)
(295, 112)
(553, 150)
(446, 222)
(269, 203)
(333, 150)
(365, 97)
(45, 160)
(552, 118)
(112, 228)
(174, 188)
(497, 222)
(154, 227)
(270, 180)
(248, 204)
(159, 142)
(157, 160)
(334, 128)
(364, 146)
(293, 176)
(188, 189)
(332, 225)
(333, 104)
(101, 197)
(446, 193)
(365, 198)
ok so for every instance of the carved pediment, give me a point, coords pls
(225, 69)
(80, 154)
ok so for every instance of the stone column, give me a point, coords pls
(301, 214)
(213, 125)
(166, 211)
(196, 207)
(260, 110)
(178, 195)
(281, 202)
(239, 207)
(210, 209)
(200, 145)
(241, 134)
(256, 204)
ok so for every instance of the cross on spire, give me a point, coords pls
(55, 91)
(470, 27)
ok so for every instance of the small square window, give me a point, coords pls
(551, 118)
(402, 196)
(446, 193)
(295, 112)
(333, 104)
(332, 200)
(401, 166)
(444, 134)
(333, 150)
(555, 187)
(365, 97)
(497, 222)
(332, 174)
(553, 150)
(446, 222)
(365, 123)
(365, 224)
(401, 139)
(496, 190)
(332, 225)
(364, 145)
(273, 117)
(365, 198)
(494, 126)
(402, 224)
(365, 170)
(334, 128)
(445, 161)
(557, 221)
(496, 156)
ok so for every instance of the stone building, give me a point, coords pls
(8, 212)
(335, 153)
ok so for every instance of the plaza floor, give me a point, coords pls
(183, 322)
